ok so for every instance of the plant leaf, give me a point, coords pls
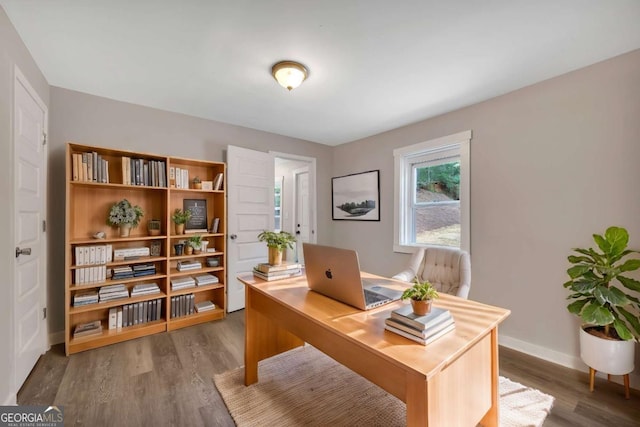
(596, 314)
(632, 319)
(576, 306)
(629, 283)
(630, 265)
(617, 238)
(622, 330)
(614, 296)
(603, 244)
(583, 286)
(578, 270)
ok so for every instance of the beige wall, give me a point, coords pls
(550, 165)
(93, 120)
(12, 52)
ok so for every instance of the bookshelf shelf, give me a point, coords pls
(98, 177)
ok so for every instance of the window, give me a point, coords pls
(432, 193)
(277, 190)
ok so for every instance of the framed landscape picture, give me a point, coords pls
(356, 197)
(198, 221)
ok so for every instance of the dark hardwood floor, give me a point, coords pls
(167, 380)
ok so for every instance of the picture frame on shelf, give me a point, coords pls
(198, 221)
(356, 197)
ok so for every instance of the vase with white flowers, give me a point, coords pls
(125, 216)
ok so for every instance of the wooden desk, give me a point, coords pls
(451, 382)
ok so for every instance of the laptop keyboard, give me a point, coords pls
(372, 297)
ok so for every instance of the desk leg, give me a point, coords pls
(491, 418)
(417, 402)
(250, 346)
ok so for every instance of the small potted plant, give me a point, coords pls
(277, 242)
(421, 294)
(180, 217)
(195, 242)
(124, 215)
(153, 227)
(197, 183)
(609, 312)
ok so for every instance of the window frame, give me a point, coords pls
(403, 179)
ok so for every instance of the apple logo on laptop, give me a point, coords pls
(328, 274)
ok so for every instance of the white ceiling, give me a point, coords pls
(374, 65)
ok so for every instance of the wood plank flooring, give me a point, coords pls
(167, 380)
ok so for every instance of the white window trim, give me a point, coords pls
(402, 177)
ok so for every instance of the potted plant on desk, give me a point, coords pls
(421, 294)
(609, 312)
(277, 243)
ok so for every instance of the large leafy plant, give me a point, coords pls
(595, 285)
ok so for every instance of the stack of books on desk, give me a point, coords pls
(422, 329)
(189, 265)
(276, 272)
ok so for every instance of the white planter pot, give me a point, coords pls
(608, 356)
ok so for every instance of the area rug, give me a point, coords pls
(304, 387)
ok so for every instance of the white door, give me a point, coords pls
(30, 117)
(250, 210)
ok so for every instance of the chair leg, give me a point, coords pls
(626, 387)
(609, 377)
(592, 377)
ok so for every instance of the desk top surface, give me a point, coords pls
(473, 321)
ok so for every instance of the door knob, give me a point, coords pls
(25, 251)
(233, 236)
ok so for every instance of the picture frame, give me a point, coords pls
(198, 221)
(356, 197)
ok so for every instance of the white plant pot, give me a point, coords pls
(608, 356)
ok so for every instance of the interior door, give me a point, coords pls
(302, 210)
(250, 210)
(29, 237)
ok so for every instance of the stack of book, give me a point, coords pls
(203, 306)
(84, 298)
(122, 272)
(276, 272)
(182, 305)
(422, 329)
(145, 289)
(141, 312)
(189, 265)
(85, 329)
(206, 279)
(182, 283)
(113, 292)
(144, 270)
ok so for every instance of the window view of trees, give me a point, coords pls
(437, 204)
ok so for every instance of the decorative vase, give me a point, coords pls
(125, 230)
(153, 227)
(275, 256)
(188, 250)
(421, 308)
(178, 247)
(179, 228)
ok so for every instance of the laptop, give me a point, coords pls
(335, 273)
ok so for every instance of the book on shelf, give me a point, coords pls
(86, 329)
(188, 265)
(145, 289)
(217, 182)
(204, 306)
(85, 297)
(182, 283)
(195, 230)
(277, 276)
(113, 292)
(420, 340)
(421, 333)
(285, 266)
(205, 279)
(406, 315)
(215, 224)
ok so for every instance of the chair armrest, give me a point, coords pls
(405, 275)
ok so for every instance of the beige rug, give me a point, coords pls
(306, 387)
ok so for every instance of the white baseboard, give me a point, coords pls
(56, 338)
(10, 400)
(566, 360)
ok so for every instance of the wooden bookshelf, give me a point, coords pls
(87, 206)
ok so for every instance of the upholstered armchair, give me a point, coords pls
(448, 269)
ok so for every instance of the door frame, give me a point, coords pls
(312, 186)
(20, 79)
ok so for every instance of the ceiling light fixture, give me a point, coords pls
(289, 74)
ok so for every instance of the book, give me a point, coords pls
(217, 182)
(406, 315)
(418, 339)
(206, 279)
(424, 334)
(204, 306)
(279, 276)
(85, 329)
(268, 268)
